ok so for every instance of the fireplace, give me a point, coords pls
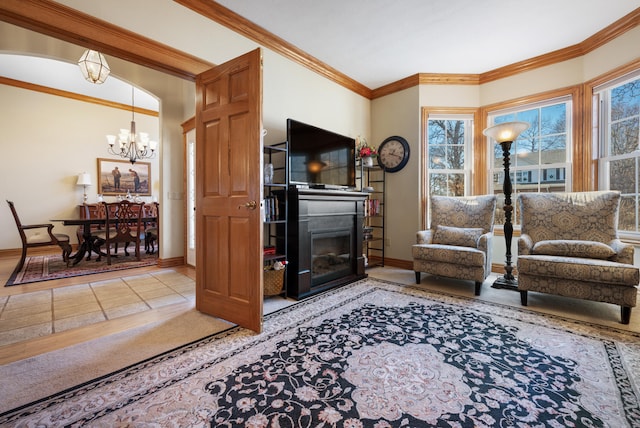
(330, 256)
(325, 240)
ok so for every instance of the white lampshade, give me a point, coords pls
(93, 66)
(84, 179)
(507, 131)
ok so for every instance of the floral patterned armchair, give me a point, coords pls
(569, 247)
(458, 245)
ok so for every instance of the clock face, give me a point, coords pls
(393, 154)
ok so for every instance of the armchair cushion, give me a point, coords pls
(459, 236)
(574, 248)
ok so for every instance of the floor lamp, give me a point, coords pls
(505, 134)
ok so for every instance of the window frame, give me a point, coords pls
(601, 114)
(471, 151)
(575, 158)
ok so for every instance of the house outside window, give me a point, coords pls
(618, 111)
(540, 159)
(449, 142)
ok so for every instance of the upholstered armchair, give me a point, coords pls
(458, 244)
(569, 247)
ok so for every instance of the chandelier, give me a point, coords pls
(94, 66)
(132, 146)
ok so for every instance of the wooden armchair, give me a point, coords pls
(123, 224)
(38, 239)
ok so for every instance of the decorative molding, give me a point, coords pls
(74, 96)
(250, 30)
(171, 262)
(398, 263)
(62, 22)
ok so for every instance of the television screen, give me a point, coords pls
(320, 158)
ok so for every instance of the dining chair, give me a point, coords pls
(32, 236)
(151, 227)
(123, 224)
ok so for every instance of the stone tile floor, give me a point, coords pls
(40, 313)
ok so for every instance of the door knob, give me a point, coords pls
(250, 205)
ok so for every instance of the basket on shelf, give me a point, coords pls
(273, 282)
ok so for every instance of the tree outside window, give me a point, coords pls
(540, 157)
(620, 146)
(448, 143)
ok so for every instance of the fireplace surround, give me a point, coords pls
(325, 240)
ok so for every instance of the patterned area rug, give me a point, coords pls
(45, 268)
(373, 354)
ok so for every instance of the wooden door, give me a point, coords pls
(228, 180)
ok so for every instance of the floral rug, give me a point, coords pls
(372, 354)
(48, 267)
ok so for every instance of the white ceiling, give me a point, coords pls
(67, 77)
(377, 42)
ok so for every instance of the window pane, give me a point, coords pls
(553, 120)
(436, 132)
(456, 184)
(455, 157)
(625, 100)
(447, 159)
(622, 175)
(628, 216)
(436, 157)
(624, 136)
(438, 184)
(554, 150)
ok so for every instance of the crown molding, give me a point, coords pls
(74, 96)
(62, 22)
(223, 16)
(70, 25)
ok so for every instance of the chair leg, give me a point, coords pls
(23, 257)
(625, 314)
(478, 287)
(523, 297)
(66, 251)
(417, 277)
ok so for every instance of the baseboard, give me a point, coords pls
(499, 268)
(172, 262)
(37, 251)
(398, 263)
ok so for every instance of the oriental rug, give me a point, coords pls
(48, 267)
(372, 354)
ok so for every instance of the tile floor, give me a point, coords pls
(40, 313)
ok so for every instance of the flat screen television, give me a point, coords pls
(319, 158)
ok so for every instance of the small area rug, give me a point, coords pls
(372, 354)
(48, 267)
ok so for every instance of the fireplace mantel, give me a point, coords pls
(318, 218)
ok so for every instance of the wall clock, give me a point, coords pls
(393, 154)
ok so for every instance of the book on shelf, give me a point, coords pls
(372, 207)
(271, 208)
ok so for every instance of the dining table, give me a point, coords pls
(90, 243)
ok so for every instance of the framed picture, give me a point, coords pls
(116, 177)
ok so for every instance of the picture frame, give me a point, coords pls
(108, 182)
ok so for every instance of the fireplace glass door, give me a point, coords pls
(330, 256)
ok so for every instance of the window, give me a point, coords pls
(540, 159)
(619, 130)
(449, 154)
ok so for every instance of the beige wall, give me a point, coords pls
(289, 89)
(43, 151)
(389, 119)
